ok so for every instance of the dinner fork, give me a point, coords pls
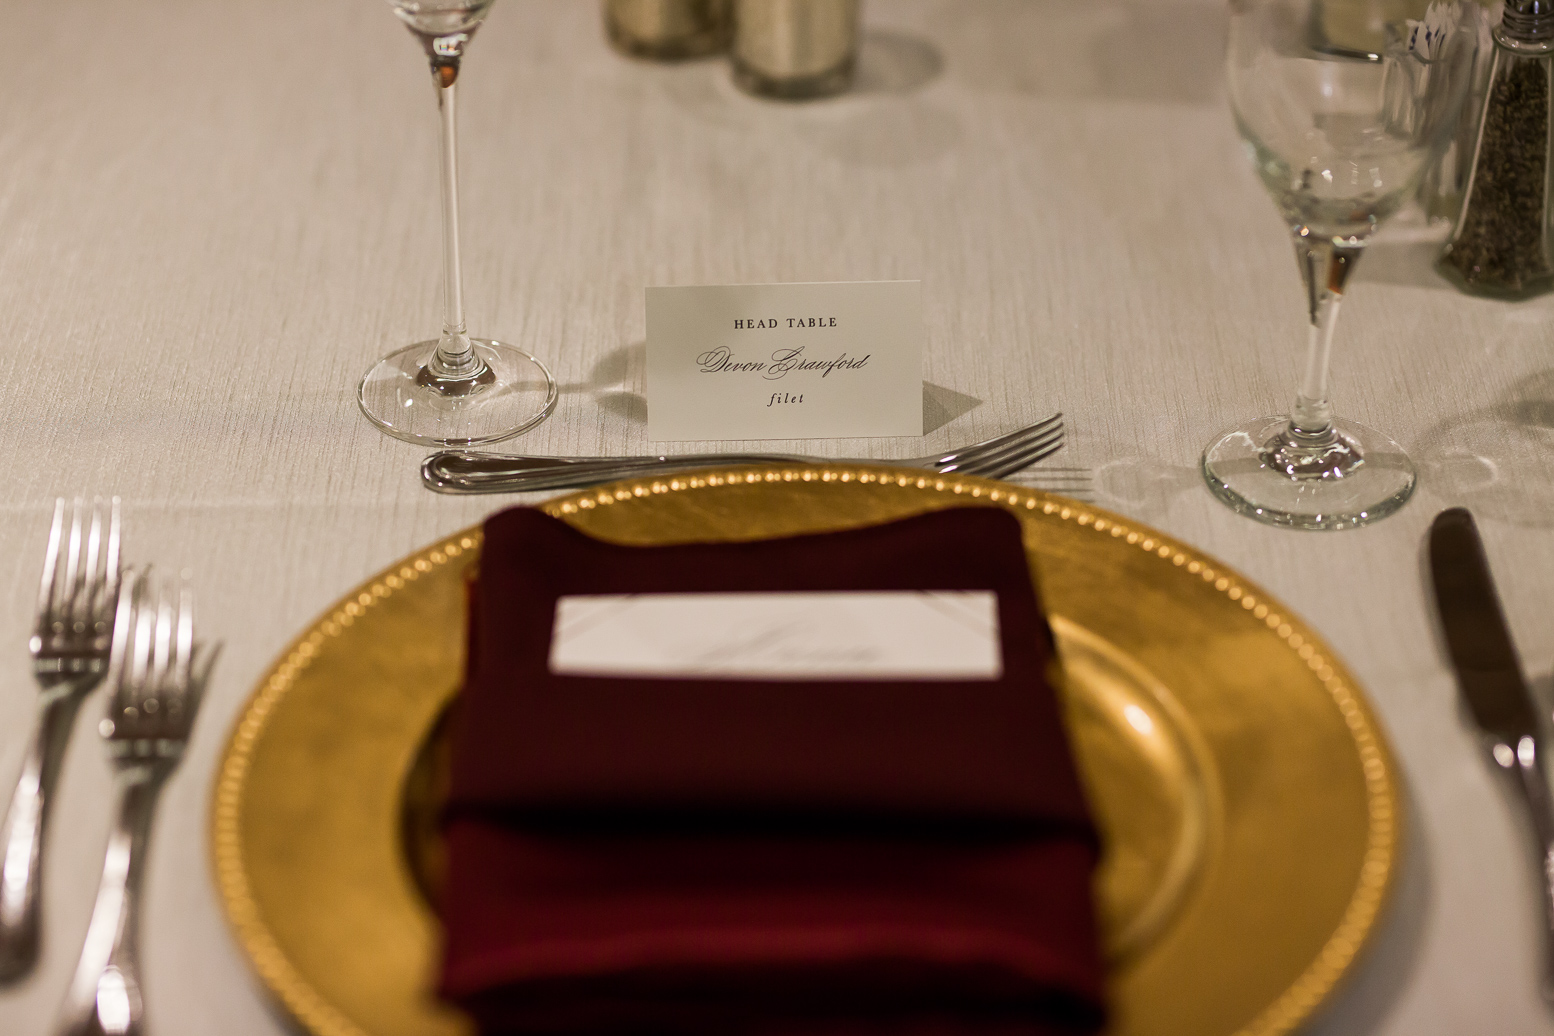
(70, 650)
(156, 678)
(461, 471)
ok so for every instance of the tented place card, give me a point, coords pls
(854, 635)
(785, 361)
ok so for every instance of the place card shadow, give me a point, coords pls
(629, 406)
(942, 405)
(613, 380)
(1497, 460)
(625, 365)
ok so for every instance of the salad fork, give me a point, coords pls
(156, 678)
(70, 652)
(461, 471)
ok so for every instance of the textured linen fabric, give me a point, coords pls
(716, 855)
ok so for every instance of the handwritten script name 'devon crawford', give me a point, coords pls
(782, 361)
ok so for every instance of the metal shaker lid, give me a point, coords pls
(1527, 21)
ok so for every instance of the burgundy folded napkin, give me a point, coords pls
(683, 855)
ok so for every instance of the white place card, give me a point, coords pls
(914, 635)
(785, 361)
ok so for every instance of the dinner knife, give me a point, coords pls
(1492, 684)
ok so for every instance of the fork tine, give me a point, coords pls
(160, 668)
(162, 639)
(101, 602)
(83, 602)
(183, 651)
(972, 460)
(998, 442)
(50, 568)
(139, 661)
(111, 555)
(70, 585)
(1030, 454)
(998, 462)
(1019, 464)
(1025, 458)
(124, 609)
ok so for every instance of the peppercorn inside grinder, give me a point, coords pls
(1503, 243)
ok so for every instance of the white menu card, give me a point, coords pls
(852, 635)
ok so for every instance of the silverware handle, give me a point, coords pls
(21, 837)
(459, 472)
(1526, 758)
(105, 995)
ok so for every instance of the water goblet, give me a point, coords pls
(453, 390)
(1342, 106)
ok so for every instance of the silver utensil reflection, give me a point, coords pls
(156, 677)
(459, 471)
(1493, 686)
(70, 649)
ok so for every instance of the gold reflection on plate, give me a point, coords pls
(1150, 780)
(1246, 798)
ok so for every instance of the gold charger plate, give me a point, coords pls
(1249, 802)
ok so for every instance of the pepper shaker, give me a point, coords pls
(795, 48)
(1501, 244)
(667, 30)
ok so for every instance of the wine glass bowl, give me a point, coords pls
(437, 19)
(1342, 105)
(1338, 138)
(454, 390)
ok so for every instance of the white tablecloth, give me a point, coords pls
(214, 216)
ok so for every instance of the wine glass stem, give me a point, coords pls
(1325, 266)
(454, 358)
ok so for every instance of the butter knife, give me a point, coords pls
(1492, 684)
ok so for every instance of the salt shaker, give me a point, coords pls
(1440, 192)
(795, 48)
(1501, 244)
(667, 30)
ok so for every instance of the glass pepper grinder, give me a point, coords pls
(1503, 243)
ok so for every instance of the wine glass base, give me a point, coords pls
(1370, 478)
(405, 403)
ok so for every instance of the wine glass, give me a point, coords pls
(454, 390)
(1342, 106)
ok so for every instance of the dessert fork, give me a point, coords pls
(70, 650)
(156, 678)
(460, 471)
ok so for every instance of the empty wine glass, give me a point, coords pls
(454, 390)
(1342, 105)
